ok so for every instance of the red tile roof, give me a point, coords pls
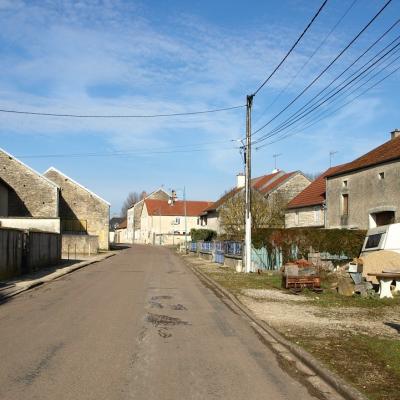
(122, 225)
(314, 193)
(388, 151)
(264, 184)
(161, 207)
(277, 182)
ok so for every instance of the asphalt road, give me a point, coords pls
(138, 325)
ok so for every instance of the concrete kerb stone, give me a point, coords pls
(58, 274)
(281, 345)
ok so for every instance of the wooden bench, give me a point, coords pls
(385, 280)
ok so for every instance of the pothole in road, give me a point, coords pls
(155, 304)
(178, 307)
(164, 320)
(164, 333)
(165, 297)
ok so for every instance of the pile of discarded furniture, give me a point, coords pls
(299, 275)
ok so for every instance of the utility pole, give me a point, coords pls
(184, 205)
(247, 238)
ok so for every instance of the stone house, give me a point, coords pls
(28, 200)
(278, 184)
(134, 214)
(365, 193)
(121, 233)
(164, 223)
(82, 212)
(308, 208)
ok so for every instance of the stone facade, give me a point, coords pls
(291, 187)
(78, 204)
(312, 216)
(24, 192)
(134, 214)
(372, 191)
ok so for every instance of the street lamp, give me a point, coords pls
(171, 203)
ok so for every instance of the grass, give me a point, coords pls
(235, 282)
(372, 364)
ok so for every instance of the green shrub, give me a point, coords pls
(202, 234)
(334, 241)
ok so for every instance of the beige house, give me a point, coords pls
(163, 223)
(278, 183)
(134, 214)
(82, 212)
(365, 193)
(308, 208)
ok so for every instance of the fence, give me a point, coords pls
(220, 250)
(24, 251)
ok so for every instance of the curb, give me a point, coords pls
(58, 274)
(281, 345)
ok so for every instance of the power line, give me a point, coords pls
(326, 68)
(332, 112)
(334, 92)
(142, 151)
(300, 110)
(292, 48)
(43, 114)
(309, 59)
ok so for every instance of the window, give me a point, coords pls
(345, 184)
(177, 220)
(317, 215)
(345, 204)
(381, 175)
(373, 241)
(296, 218)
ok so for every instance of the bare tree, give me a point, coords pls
(265, 212)
(131, 200)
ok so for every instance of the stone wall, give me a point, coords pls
(29, 193)
(306, 216)
(79, 245)
(39, 224)
(77, 202)
(293, 186)
(368, 193)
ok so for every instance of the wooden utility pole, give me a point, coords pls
(247, 238)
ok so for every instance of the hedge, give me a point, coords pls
(334, 241)
(202, 234)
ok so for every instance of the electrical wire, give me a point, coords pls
(326, 68)
(292, 48)
(142, 151)
(277, 97)
(300, 110)
(332, 112)
(43, 114)
(334, 92)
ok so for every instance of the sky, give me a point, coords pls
(107, 57)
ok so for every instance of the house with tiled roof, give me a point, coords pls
(365, 192)
(167, 222)
(307, 209)
(286, 185)
(134, 213)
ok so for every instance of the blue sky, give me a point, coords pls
(143, 57)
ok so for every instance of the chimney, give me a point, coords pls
(240, 181)
(395, 134)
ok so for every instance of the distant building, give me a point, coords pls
(365, 193)
(278, 183)
(307, 209)
(81, 210)
(164, 223)
(121, 236)
(134, 214)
